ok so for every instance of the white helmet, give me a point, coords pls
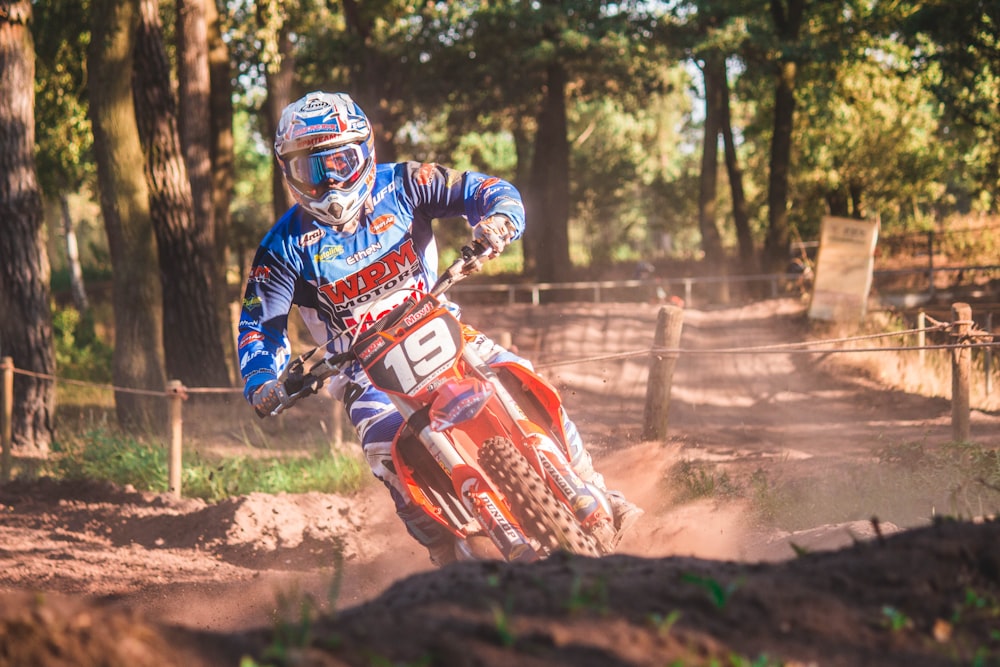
(326, 151)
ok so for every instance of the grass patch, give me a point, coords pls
(690, 480)
(907, 484)
(105, 455)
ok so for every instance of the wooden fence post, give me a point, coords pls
(961, 363)
(661, 372)
(6, 416)
(922, 337)
(988, 357)
(175, 389)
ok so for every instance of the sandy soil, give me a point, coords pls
(758, 539)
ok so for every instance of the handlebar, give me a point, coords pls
(470, 260)
(299, 383)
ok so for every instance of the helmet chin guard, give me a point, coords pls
(326, 151)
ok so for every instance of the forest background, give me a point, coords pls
(135, 146)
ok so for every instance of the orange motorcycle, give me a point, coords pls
(482, 449)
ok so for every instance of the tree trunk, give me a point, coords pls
(522, 179)
(549, 195)
(857, 207)
(787, 21)
(26, 323)
(836, 201)
(279, 95)
(714, 70)
(741, 215)
(73, 257)
(138, 355)
(221, 110)
(371, 88)
(192, 340)
(194, 119)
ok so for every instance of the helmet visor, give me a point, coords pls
(340, 165)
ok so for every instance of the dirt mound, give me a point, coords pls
(929, 596)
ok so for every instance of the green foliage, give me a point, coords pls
(235, 476)
(718, 592)
(895, 619)
(957, 43)
(663, 624)
(102, 454)
(622, 163)
(874, 133)
(588, 595)
(501, 622)
(894, 101)
(80, 354)
(63, 139)
(251, 204)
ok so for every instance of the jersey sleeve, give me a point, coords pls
(263, 345)
(441, 192)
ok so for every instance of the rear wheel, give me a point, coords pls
(532, 502)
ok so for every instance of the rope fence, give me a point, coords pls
(664, 354)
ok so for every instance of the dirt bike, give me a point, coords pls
(482, 449)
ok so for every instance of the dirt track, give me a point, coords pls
(787, 445)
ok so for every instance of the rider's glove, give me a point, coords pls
(268, 397)
(495, 232)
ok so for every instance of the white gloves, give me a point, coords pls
(495, 232)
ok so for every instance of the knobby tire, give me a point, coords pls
(532, 502)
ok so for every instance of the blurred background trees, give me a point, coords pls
(716, 131)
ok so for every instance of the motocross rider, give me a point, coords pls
(360, 230)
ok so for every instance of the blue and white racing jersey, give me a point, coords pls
(334, 278)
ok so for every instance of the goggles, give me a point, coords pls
(342, 165)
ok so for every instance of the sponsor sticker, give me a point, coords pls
(310, 238)
(425, 173)
(370, 351)
(367, 252)
(485, 185)
(381, 223)
(250, 337)
(259, 274)
(328, 253)
(414, 317)
(390, 271)
(381, 194)
(251, 302)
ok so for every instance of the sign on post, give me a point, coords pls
(843, 269)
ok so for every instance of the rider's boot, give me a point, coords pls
(438, 540)
(625, 513)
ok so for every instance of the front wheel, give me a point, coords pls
(532, 502)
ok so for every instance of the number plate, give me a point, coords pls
(415, 355)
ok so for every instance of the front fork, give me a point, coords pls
(589, 503)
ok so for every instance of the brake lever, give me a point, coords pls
(469, 262)
(299, 383)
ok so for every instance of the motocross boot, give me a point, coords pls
(625, 513)
(438, 540)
